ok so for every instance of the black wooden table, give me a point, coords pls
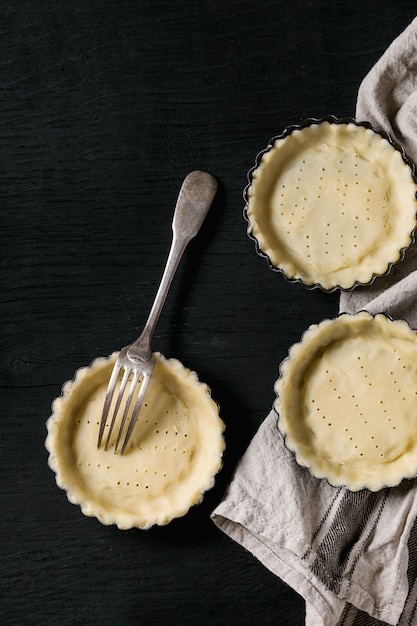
(104, 107)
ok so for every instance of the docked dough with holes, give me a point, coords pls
(332, 205)
(173, 456)
(347, 398)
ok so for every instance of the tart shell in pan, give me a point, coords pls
(171, 460)
(347, 401)
(332, 203)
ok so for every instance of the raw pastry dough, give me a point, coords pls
(347, 401)
(332, 205)
(172, 458)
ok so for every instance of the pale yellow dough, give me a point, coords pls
(175, 451)
(332, 204)
(347, 401)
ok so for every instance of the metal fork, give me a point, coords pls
(135, 362)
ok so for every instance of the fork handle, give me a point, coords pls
(194, 200)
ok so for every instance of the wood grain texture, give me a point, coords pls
(105, 107)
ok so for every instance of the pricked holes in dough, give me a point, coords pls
(293, 211)
(384, 411)
(140, 473)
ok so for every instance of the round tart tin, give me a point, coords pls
(346, 401)
(332, 203)
(172, 458)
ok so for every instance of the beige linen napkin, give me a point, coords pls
(352, 556)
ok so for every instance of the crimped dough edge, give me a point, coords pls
(74, 393)
(286, 253)
(360, 474)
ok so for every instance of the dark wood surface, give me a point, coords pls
(104, 107)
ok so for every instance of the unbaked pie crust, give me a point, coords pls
(332, 204)
(171, 460)
(347, 401)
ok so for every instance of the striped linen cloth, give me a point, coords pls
(351, 556)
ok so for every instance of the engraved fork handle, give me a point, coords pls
(194, 200)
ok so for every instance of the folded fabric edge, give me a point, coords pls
(279, 550)
(382, 91)
(282, 563)
(397, 300)
(286, 565)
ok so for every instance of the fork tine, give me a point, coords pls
(107, 402)
(138, 405)
(122, 390)
(128, 402)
